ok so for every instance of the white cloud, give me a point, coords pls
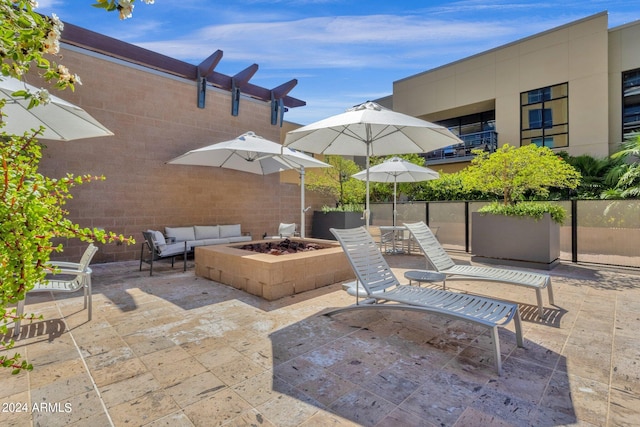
(343, 41)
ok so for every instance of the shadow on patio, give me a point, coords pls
(387, 367)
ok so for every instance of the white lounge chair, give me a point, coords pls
(375, 278)
(68, 277)
(442, 262)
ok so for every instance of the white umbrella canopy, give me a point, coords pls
(370, 130)
(252, 153)
(248, 153)
(397, 170)
(63, 121)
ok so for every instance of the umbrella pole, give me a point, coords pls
(302, 221)
(395, 183)
(366, 208)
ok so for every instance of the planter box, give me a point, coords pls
(518, 241)
(322, 222)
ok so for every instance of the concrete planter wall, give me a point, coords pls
(322, 222)
(519, 241)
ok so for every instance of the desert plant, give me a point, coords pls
(449, 186)
(337, 181)
(626, 175)
(594, 172)
(343, 208)
(32, 210)
(513, 173)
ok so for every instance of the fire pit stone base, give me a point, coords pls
(273, 277)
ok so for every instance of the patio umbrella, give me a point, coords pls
(252, 153)
(63, 121)
(370, 130)
(397, 170)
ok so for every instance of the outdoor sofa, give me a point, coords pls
(181, 241)
(205, 235)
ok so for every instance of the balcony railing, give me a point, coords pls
(486, 140)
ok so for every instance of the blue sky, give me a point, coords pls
(342, 52)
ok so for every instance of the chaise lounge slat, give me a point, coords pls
(381, 286)
(442, 263)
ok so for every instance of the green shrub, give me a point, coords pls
(343, 208)
(532, 209)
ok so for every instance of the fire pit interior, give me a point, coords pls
(282, 247)
(320, 263)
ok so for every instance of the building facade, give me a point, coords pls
(152, 104)
(574, 88)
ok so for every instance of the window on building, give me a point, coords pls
(631, 102)
(477, 131)
(544, 116)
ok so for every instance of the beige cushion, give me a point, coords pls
(158, 238)
(230, 231)
(206, 232)
(180, 234)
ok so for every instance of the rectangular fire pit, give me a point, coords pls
(274, 276)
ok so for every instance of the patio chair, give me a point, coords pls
(442, 263)
(157, 248)
(286, 230)
(67, 277)
(380, 286)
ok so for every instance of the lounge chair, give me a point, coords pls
(442, 262)
(68, 277)
(380, 286)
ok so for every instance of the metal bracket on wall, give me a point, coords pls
(237, 81)
(204, 70)
(277, 101)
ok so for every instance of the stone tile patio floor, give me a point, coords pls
(177, 350)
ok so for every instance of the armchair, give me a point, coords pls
(157, 248)
(286, 230)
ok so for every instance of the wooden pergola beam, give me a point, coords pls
(109, 46)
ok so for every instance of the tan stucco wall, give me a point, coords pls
(155, 118)
(624, 55)
(575, 53)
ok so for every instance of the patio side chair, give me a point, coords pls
(286, 230)
(67, 277)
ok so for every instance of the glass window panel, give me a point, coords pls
(526, 117)
(540, 118)
(535, 118)
(631, 101)
(544, 116)
(561, 140)
(559, 91)
(557, 130)
(559, 109)
(631, 79)
(471, 128)
(532, 133)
